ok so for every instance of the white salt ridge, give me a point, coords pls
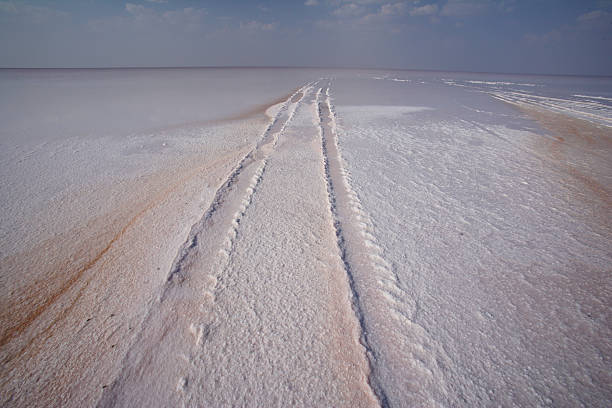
(453, 83)
(589, 110)
(500, 83)
(603, 98)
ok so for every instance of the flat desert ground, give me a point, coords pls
(304, 237)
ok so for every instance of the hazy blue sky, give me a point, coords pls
(542, 36)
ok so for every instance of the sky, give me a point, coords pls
(508, 36)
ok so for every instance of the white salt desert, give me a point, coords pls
(256, 237)
(491, 231)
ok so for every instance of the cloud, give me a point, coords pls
(368, 14)
(396, 9)
(35, 13)
(360, 2)
(426, 10)
(311, 3)
(139, 17)
(349, 10)
(593, 15)
(597, 20)
(257, 26)
(157, 1)
(187, 16)
(137, 9)
(464, 8)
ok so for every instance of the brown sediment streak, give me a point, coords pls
(19, 328)
(573, 133)
(596, 188)
(48, 329)
(261, 108)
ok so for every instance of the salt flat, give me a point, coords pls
(252, 237)
(496, 241)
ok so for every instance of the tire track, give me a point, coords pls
(340, 195)
(282, 310)
(398, 349)
(182, 318)
(266, 143)
(202, 328)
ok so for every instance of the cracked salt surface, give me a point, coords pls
(426, 239)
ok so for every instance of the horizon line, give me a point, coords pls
(306, 67)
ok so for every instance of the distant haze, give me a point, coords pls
(533, 36)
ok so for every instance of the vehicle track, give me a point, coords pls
(188, 297)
